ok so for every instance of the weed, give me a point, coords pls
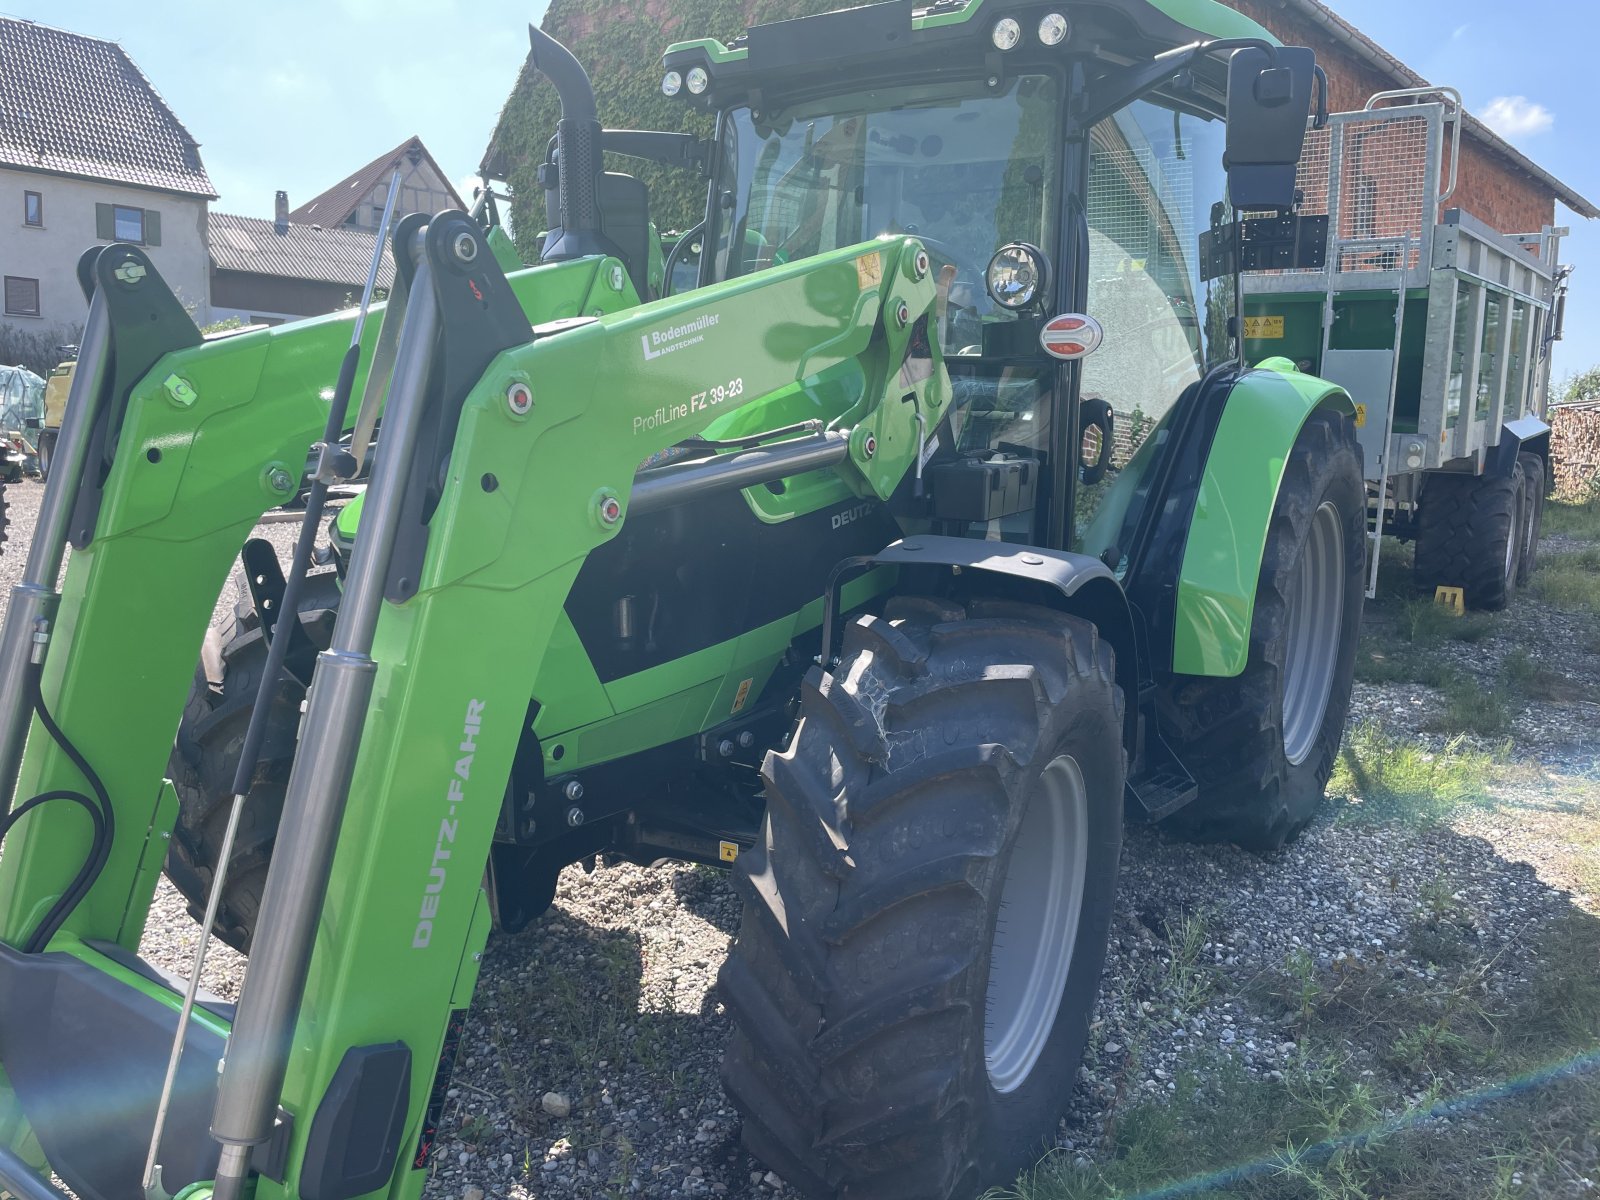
(1580, 521)
(1305, 989)
(1189, 980)
(1402, 665)
(1425, 623)
(1470, 707)
(475, 1128)
(1385, 776)
(1571, 581)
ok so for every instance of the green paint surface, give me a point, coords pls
(1228, 535)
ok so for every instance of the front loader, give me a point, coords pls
(936, 531)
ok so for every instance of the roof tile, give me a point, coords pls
(77, 105)
(254, 244)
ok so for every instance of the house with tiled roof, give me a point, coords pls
(265, 271)
(314, 259)
(89, 152)
(357, 199)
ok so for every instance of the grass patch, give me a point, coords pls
(1469, 707)
(1570, 581)
(1321, 1135)
(1580, 520)
(1426, 623)
(1383, 776)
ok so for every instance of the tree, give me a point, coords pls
(1582, 389)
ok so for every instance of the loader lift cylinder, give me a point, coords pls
(33, 600)
(258, 1048)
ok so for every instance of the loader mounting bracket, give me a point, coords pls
(480, 317)
(147, 322)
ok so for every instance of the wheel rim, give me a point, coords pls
(1316, 619)
(1040, 904)
(1511, 551)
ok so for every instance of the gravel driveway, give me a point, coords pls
(589, 1064)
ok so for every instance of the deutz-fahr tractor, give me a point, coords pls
(940, 529)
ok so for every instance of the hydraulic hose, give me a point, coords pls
(100, 813)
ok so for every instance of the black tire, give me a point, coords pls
(859, 983)
(1533, 496)
(1469, 535)
(1231, 732)
(206, 754)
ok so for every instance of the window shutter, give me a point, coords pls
(105, 223)
(152, 227)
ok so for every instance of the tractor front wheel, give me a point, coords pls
(927, 908)
(206, 755)
(1261, 745)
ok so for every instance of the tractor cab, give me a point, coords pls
(1045, 177)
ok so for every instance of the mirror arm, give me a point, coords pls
(1112, 92)
(1321, 121)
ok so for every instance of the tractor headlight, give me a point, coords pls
(1006, 33)
(1054, 29)
(671, 83)
(698, 80)
(1017, 275)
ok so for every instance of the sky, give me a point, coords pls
(297, 94)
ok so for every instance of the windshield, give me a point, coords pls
(966, 171)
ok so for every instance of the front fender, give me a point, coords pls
(1238, 489)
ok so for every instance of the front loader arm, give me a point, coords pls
(525, 497)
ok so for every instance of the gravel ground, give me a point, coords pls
(590, 1058)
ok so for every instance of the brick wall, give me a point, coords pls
(1491, 187)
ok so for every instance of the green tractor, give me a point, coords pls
(937, 531)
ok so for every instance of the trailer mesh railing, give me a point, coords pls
(1376, 175)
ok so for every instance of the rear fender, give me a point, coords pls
(1216, 584)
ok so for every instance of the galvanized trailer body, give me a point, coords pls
(1460, 365)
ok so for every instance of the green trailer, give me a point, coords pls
(938, 529)
(1452, 423)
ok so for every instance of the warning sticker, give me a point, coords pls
(869, 270)
(727, 851)
(1361, 416)
(742, 695)
(1263, 327)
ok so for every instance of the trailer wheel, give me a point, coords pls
(1533, 515)
(927, 908)
(1470, 532)
(206, 754)
(1262, 745)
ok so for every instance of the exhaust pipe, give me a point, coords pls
(578, 161)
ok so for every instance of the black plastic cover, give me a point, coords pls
(975, 489)
(354, 1141)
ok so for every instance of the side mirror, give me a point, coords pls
(1269, 103)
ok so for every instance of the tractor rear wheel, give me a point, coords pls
(927, 908)
(1470, 531)
(1262, 744)
(206, 755)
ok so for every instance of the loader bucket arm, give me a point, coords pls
(527, 494)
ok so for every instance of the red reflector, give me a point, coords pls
(1071, 336)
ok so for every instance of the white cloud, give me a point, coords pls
(1460, 32)
(1517, 116)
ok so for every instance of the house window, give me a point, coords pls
(125, 223)
(32, 209)
(22, 296)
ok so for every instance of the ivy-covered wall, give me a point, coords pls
(620, 43)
